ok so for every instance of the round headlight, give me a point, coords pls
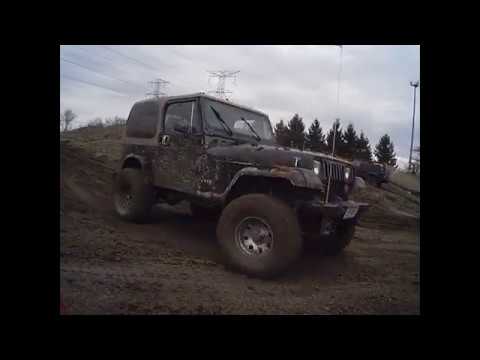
(316, 167)
(347, 173)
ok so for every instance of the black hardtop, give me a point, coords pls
(162, 100)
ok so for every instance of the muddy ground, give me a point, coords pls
(173, 266)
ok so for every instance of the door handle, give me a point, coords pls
(165, 140)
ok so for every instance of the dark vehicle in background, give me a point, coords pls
(373, 173)
(223, 159)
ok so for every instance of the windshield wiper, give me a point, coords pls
(252, 129)
(219, 118)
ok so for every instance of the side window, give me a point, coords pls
(183, 115)
(142, 121)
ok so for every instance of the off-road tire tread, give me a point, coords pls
(143, 195)
(287, 239)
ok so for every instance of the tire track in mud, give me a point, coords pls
(168, 226)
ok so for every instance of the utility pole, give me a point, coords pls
(336, 120)
(415, 85)
(158, 84)
(222, 75)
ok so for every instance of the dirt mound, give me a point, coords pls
(102, 144)
(388, 209)
(172, 265)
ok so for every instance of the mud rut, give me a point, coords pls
(172, 265)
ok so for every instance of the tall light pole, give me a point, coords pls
(335, 122)
(415, 85)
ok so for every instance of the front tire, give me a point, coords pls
(259, 235)
(133, 198)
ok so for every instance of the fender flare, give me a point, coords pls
(298, 177)
(138, 158)
(145, 166)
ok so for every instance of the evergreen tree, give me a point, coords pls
(296, 132)
(384, 151)
(339, 139)
(315, 140)
(281, 133)
(363, 150)
(350, 139)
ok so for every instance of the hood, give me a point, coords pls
(268, 155)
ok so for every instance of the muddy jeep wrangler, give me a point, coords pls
(222, 158)
(374, 173)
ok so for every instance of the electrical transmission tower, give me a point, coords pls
(222, 76)
(157, 85)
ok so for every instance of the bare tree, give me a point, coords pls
(66, 119)
(62, 122)
(97, 122)
(115, 121)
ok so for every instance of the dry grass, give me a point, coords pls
(406, 180)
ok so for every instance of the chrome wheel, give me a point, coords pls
(254, 236)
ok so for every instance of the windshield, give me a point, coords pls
(216, 115)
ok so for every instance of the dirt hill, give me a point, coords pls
(173, 265)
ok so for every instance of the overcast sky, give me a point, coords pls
(375, 95)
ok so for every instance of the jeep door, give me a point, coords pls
(180, 144)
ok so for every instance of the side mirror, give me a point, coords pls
(181, 128)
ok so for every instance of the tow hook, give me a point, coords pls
(327, 226)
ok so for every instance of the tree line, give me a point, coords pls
(348, 143)
(68, 116)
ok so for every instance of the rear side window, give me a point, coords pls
(142, 122)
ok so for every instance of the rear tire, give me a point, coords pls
(274, 239)
(133, 198)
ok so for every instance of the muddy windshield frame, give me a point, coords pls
(232, 115)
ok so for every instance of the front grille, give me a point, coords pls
(329, 167)
(337, 183)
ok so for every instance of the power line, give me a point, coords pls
(157, 85)
(97, 72)
(128, 57)
(93, 84)
(88, 51)
(111, 61)
(222, 75)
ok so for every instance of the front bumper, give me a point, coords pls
(337, 210)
